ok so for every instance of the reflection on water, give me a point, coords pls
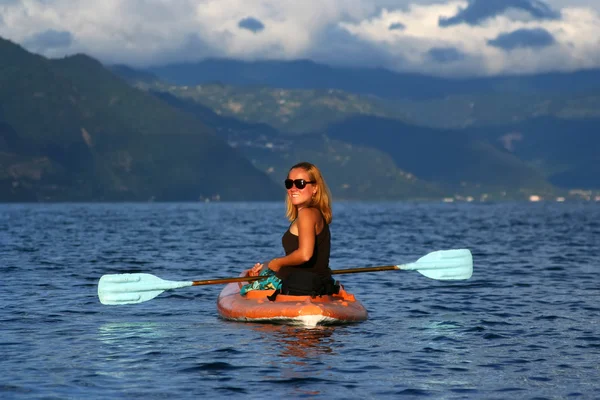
(299, 344)
(126, 332)
(131, 343)
(299, 352)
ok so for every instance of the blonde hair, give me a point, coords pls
(320, 200)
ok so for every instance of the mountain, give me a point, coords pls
(74, 130)
(449, 158)
(552, 133)
(566, 150)
(71, 130)
(133, 74)
(350, 136)
(304, 74)
(353, 172)
(418, 99)
(290, 111)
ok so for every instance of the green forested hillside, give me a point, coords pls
(551, 134)
(290, 111)
(352, 171)
(372, 157)
(72, 130)
(302, 111)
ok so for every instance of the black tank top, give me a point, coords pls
(318, 263)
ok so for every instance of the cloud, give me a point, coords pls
(445, 54)
(49, 40)
(340, 47)
(569, 43)
(401, 35)
(478, 11)
(396, 26)
(251, 24)
(523, 38)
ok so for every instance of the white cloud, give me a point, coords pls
(144, 32)
(576, 37)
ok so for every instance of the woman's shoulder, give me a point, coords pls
(312, 215)
(313, 212)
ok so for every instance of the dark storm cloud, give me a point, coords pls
(445, 54)
(479, 10)
(523, 38)
(49, 39)
(251, 24)
(397, 26)
(193, 48)
(339, 47)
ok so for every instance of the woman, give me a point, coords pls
(305, 267)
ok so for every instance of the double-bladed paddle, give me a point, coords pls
(139, 287)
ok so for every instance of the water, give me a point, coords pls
(527, 325)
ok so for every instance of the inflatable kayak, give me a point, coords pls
(341, 308)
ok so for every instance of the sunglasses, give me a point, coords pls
(300, 183)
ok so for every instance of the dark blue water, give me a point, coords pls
(527, 325)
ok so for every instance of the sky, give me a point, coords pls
(437, 37)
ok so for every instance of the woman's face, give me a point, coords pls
(300, 197)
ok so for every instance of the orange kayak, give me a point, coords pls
(339, 308)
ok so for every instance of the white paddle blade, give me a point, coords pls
(120, 289)
(113, 299)
(444, 265)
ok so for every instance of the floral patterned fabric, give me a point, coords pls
(270, 283)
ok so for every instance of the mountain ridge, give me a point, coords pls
(72, 129)
(493, 119)
(306, 74)
(75, 131)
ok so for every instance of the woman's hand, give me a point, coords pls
(255, 271)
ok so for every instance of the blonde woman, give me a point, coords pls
(304, 270)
